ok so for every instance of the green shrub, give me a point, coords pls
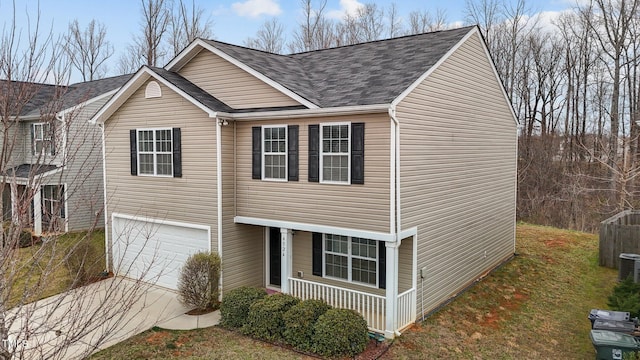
(626, 297)
(198, 282)
(340, 332)
(85, 262)
(265, 320)
(235, 305)
(299, 322)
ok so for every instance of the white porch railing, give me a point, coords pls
(406, 308)
(372, 307)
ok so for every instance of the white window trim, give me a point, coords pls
(349, 263)
(43, 139)
(154, 152)
(322, 153)
(286, 153)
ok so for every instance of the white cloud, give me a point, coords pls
(347, 7)
(256, 8)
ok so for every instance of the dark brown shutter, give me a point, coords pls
(314, 153)
(317, 254)
(256, 153)
(357, 153)
(33, 139)
(133, 146)
(52, 136)
(177, 153)
(292, 152)
(382, 265)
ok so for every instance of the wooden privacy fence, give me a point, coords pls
(619, 234)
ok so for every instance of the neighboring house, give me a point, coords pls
(53, 174)
(379, 176)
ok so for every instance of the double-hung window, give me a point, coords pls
(351, 258)
(155, 152)
(335, 153)
(42, 136)
(53, 202)
(274, 153)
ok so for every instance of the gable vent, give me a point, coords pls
(152, 90)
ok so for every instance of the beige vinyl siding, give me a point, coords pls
(458, 172)
(243, 256)
(232, 85)
(303, 261)
(189, 199)
(83, 171)
(363, 207)
(405, 265)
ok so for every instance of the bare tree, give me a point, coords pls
(269, 38)
(148, 47)
(33, 92)
(423, 21)
(88, 49)
(394, 21)
(315, 31)
(187, 22)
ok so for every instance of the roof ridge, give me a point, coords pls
(382, 40)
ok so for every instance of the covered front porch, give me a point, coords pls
(374, 277)
(34, 198)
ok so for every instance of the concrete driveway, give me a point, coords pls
(80, 322)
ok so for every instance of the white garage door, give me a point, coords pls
(155, 250)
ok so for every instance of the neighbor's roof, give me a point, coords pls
(39, 99)
(363, 74)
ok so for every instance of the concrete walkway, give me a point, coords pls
(83, 321)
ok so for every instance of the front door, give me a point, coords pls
(274, 257)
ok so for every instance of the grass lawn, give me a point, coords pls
(44, 265)
(534, 307)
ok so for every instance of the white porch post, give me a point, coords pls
(286, 260)
(391, 321)
(37, 211)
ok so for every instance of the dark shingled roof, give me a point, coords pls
(38, 99)
(369, 73)
(30, 170)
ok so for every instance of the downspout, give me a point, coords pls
(104, 200)
(396, 224)
(219, 193)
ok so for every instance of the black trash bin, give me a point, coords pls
(626, 327)
(597, 314)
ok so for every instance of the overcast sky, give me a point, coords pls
(233, 21)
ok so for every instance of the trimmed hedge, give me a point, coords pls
(340, 332)
(299, 322)
(235, 305)
(626, 297)
(265, 320)
(198, 282)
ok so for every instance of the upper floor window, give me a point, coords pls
(336, 153)
(155, 149)
(334, 159)
(156, 152)
(42, 139)
(274, 152)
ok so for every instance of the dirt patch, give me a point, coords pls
(157, 338)
(556, 243)
(202, 311)
(503, 310)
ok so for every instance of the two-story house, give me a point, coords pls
(53, 176)
(379, 177)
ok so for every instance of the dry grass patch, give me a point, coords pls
(534, 307)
